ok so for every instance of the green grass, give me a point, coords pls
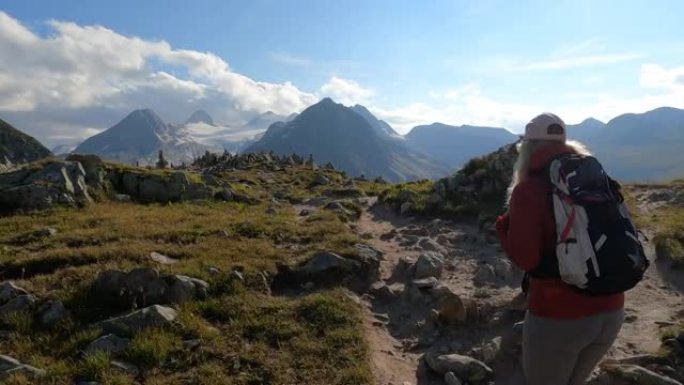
(247, 336)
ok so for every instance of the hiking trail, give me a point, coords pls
(399, 326)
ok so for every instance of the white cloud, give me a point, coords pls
(346, 91)
(462, 105)
(78, 68)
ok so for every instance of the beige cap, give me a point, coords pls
(546, 126)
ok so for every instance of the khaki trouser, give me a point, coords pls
(565, 352)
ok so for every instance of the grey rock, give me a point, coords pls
(484, 275)
(7, 362)
(122, 198)
(406, 208)
(51, 313)
(429, 264)
(192, 344)
(8, 291)
(108, 343)
(126, 367)
(19, 303)
(161, 258)
(321, 180)
(464, 367)
(451, 379)
(425, 283)
(429, 245)
(152, 316)
(10, 366)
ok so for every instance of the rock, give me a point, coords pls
(8, 291)
(10, 366)
(7, 362)
(425, 283)
(18, 303)
(640, 376)
(152, 316)
(304, 213)
(320, 180)
(368, 253)
(117, 290)
(161, 258)
(429, 264)
(450, 307)
(381, 291)
(126, 367)
(464, 367)
(51, 313)
(484, 275)
(328, 269)
(109, 343)
(451, 379)
(121, 198)
(488, 351)
(429, 244)
(192, 344)
(406, 208)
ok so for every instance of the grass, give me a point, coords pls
(667, 221)
(247, 336)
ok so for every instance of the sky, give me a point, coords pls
(69, 69)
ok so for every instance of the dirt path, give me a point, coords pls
(398, 330)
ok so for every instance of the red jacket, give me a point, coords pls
(528, 230)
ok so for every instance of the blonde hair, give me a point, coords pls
(525, 150)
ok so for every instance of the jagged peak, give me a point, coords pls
(200, 116)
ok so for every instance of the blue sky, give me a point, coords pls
(477, 62)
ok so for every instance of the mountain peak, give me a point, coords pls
(200, 116)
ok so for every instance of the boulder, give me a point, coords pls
(464, 367)
(109, 343)
(44, 185)
(329, 269)
(50, 313)
(18, 303)
(429, 264)
(8, 291)
(152, 316)
(117, 290)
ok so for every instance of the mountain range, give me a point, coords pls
(632, 147)
(355, 142)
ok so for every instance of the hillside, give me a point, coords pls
(454, 145)
(254, 268)
(336, 134)
(17, 147)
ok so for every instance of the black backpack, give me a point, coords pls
(598, 248)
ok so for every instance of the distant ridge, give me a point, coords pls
(18, 147)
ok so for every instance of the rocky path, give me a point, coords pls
(401, 322)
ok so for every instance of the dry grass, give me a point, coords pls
(248, 337)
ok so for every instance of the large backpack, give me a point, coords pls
(598, 248)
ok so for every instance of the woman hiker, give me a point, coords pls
(565, 333)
